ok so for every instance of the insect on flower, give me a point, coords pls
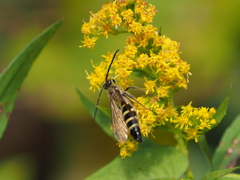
(124, 116)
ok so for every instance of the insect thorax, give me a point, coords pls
(115, 93)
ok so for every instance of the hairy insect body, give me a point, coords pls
(129, 114)
(124, 116)
(114, 92)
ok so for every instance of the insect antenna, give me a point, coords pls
(96, 106)
(111, 64)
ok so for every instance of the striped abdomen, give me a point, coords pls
(130, 117)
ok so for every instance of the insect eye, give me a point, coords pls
(107, 84)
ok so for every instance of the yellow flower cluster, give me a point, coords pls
(127, 148)
(113, 16)
(149, 55)
(194, 121)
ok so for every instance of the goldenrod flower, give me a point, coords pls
(204, 124)
(122, 3)
(127, 148)
(132, 146)
(135, 27)
(142, 60)
(150, 85)
(213, 121)
(89, 42)
(187, 109)
(212, 111)
(182, 122)
(163, 91)
(151, 56)
(127, 15)
(98, 76)
(159, 40)
(124, 152)
(192, 134)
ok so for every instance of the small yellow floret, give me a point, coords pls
(183, 122)
(213, 121)
(89, 42)
(135, 27)
(192, 134)
(204, 124)
(123, 152)
(150, 85)
(187, 109)
(132, 146)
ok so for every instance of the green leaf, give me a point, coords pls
(12, 78)
(230, 177)
(149, 162)
(217, 174)
(228, 149)
(221, 111)
(106, 111)
(141, 73)
(204, 147)
(102, 119)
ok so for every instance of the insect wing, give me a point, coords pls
(118, 124)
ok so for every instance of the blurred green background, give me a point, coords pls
(50, 135)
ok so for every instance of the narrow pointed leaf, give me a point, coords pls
(216, 174)
(230, 177)
(12, 78)
(222, 110)
(106, 111)
(102, 119)
(228, 150)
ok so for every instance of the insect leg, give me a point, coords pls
(96, 106)
(127, 95)
(134, 87)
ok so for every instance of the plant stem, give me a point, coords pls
(182, 147)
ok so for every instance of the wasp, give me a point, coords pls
(123, 115)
